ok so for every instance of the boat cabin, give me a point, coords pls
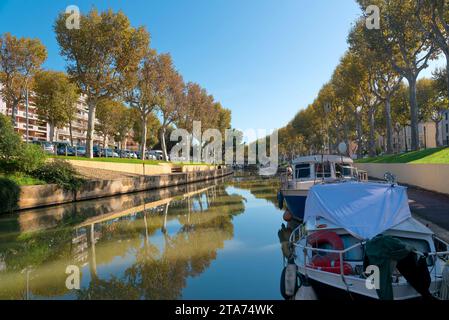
(323, 167)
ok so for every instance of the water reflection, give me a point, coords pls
(143, 246)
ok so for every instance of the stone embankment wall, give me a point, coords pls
(45, 195)
(433, 177)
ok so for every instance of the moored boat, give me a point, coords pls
(310, 170)
(360, 241)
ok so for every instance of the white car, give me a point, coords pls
(150, 156)
(157, 153)
(133, 155)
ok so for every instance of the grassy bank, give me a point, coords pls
(22, 180)
(427, 156)
(124, 160)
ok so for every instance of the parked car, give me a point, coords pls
(109, 153)
(127, 154)
(64, 148)
(81, 151)
(149, 156)
(179, 159)
(48, 147)
(132, 155)
(157, 153)
(96, 151)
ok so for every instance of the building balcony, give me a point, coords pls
(31, 127)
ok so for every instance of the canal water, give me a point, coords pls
(213, 240)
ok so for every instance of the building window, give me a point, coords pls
(447, 114)
(447, 128)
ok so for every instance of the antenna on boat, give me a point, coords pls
(342, 149)
(322, 167)
(328, 109)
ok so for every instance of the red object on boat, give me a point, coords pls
(287, 216)
(330, 262)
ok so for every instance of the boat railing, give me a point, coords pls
(362, 175)
(340, 253)
(286, 178)
(298, 234)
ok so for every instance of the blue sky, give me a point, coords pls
(263, 59)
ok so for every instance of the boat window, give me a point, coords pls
(323, 170)
(302, 171)
(355, 254)
(419, 245)
(343, 170)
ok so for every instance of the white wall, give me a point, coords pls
(434, 177)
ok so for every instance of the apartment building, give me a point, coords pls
(79, 127)
(37, 129)
(444, 129)
(402, 138)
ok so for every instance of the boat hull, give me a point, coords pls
(296, 202)
(329, 286)
(326, 292)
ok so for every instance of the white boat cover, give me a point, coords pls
(363, 209)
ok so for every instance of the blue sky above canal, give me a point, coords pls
(263, 59)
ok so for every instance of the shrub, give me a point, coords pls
(9, 195)
(59, 172)
(9, 144)
(15, 155)
(30, 158)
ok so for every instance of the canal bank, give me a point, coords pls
(51, 194)
(181, 242)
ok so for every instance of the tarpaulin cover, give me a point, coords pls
(363, 209)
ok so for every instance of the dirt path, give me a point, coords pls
(101, 174)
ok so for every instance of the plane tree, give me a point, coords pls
(56, 99)
(108, 118)
(433, 103)
(20, 59)
(351, 83)
(99, 56)
(401, 41)
(145, 91)
(172, 103)
(433, 18)
(383, 80)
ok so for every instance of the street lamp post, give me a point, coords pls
(26, 112)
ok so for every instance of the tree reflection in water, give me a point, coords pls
(193, 224)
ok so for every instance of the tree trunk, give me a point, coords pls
(405, 139)
(372, 135)
(437, 133)
(143, 139)
(71, 133)
(389, 125)
(52, 132)
(13, 113)
(90, 131)
(447, 74)
(346, 138)
(163, 144)
(414, 108)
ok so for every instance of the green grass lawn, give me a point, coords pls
(23, 180)
(430, 156)
(124, 160)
